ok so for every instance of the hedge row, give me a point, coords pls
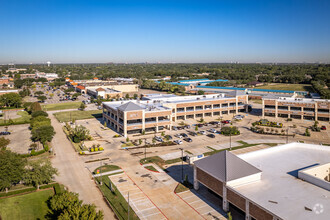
(56, 186)
(33, 153)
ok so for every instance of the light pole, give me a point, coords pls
(287, 135)
(145, 149)
(181, 164)
(101, 173)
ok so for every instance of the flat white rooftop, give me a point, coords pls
(156, 102)
(299, 100)
(280, 191)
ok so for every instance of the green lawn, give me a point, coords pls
(159, 161)
(283, 86)
(24, 119)
(61, 106)
(29, 206)
(106, 168)
(77, 115)
(151, 168)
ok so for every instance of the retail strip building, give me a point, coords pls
(286, 182)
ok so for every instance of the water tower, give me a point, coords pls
(48, 63)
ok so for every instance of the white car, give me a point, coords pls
(159, 139)
(212, 130)
(178, 136)
(178, 142)
(202, 132)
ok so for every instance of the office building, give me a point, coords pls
(297, 108)
(158, 112)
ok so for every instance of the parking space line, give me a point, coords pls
(202, 206)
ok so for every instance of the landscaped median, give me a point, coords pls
(23, 119)
(159, 161)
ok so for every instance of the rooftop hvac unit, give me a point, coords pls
(198, 98)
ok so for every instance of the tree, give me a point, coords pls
(3, 143)
(42, 98)
(99, 100)
(39, 172)
(82, 106)
(39, 93)
(127, 139)
(135, 96)
(35, 107)
(67, 205)
(79, 133)
(43, 133)
(200, 92)
(11, 168)
(127, 96)
(38, 121)
(196, 128)
(69, 90)
(11, 100)
(76, 95)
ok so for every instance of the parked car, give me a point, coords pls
(200, 125)
(211, 135)
(178, 136)
(214, 122)
(212, 130)
(159, 139)
(241, 116)
(192, 133)
(226, 122)
(175, 128)
(168, 137)
(187, 126)
(178, 142)
(180, 128)
(323, 127)
(188, 139)
(5, 133)
(202, 132)
(184, 135)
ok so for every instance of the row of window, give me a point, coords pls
(296, 108)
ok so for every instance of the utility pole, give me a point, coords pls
(145, 149)
(230, 139)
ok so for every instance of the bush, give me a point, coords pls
(76, 139)
(39, 113)
(10, 193)
(101, 148)
(46, 147)
(233, 130)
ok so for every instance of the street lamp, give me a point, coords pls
(181, 164)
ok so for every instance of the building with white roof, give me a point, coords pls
(299, 108)
(158, 112)
(286, 182)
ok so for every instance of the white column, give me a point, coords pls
(125, 124)
(196, 183)
(236, 105)
(157, 124)
(315, 110)
(247, 211)
(263, 108)
(225, 204)
(276, 109)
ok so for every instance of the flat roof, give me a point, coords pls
(279, 190)
(298, 100)
(157, 103)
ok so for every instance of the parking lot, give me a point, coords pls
(20, 138)
(139, 201)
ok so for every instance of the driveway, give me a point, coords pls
(73, 173)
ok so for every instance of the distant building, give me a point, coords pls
(298, 108)
(254, 84)
(6, 82)
(290, 181)
(8, 91)
(15, 70)
(48, 76)
(27, 75)
(105, 93)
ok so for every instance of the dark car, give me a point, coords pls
(184, 135)
(211, 135)
(193, 133)
(5, 133)
(188, 139)
(168, 137)
(323, 128)
(200, 125)
(175, 128)
(187, 126)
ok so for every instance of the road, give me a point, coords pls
(73, 173)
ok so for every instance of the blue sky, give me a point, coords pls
(164, 31)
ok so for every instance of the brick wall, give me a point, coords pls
(259, 213)
(236, 199)
(209, 181)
